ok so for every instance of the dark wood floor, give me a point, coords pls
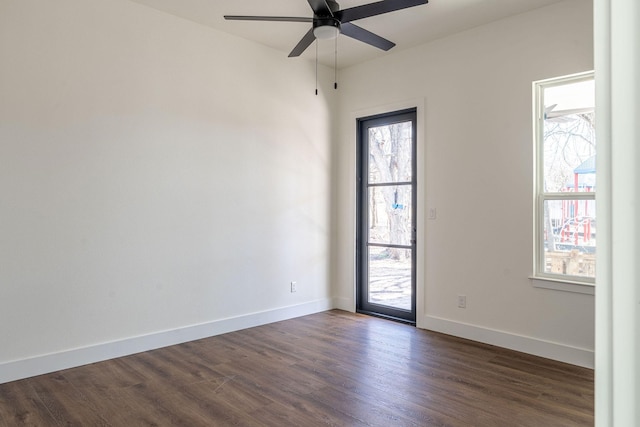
(332, 368)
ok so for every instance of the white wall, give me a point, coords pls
(477, 138)
(154, 175)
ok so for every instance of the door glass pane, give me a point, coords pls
(390, 214)
(390, 277)
(390, 153)
(570, 237)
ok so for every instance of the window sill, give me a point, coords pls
(563, 285)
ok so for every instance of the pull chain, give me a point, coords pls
(335, 66)
(316, 67)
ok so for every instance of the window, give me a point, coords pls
(565, 181)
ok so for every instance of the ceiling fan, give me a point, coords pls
(328, 21)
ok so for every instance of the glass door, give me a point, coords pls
(387, 215)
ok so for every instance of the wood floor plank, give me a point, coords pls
(20, 406)
(66, 403)
(333, 368)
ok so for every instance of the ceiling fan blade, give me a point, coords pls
(358, 33)
(267, 18)
(303, 44)
(377, 8)
(320, 7)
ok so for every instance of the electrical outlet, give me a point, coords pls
(462, 301)
(294, 287)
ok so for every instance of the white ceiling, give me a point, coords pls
(406, 28)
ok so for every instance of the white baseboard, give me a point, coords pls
(25, 368)
(550, 350)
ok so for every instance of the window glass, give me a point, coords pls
(569, 152)
(569, 237)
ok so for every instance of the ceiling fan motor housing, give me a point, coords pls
(326, 22)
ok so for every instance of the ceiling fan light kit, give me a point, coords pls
(326, 29)
(329, 21)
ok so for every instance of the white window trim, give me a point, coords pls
(540, 279)
(565, 285)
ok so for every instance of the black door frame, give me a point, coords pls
(362, 223)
